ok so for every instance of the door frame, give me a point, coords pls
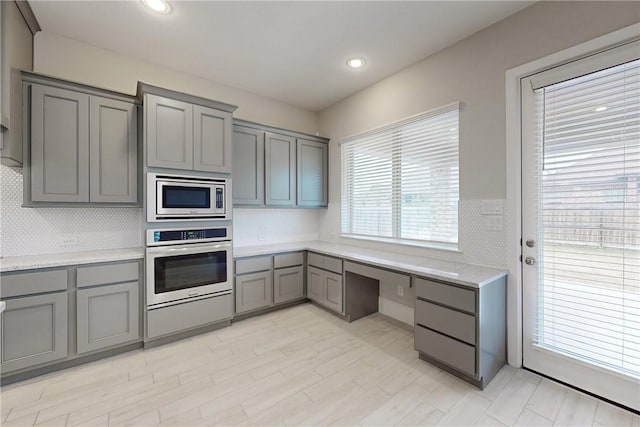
(514, 169)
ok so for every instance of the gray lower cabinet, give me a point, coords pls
(107, 316)
(280, 170)
(34, 331)
(462, 329)
(80, 147)
(248, 166)
(186, 132)
(254, 291)
(312, 170)
(288, 284)
(324, 281)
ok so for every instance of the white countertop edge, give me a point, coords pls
(454, 272)
(31, 262)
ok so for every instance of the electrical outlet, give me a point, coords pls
(68, 240)
(400, 290)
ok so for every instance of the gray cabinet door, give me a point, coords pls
(107, 315)
(59, 145)
(280, 170)
(253, 291)
(34, 331)
(169, 132)
(248, 166)
(113, 142)
(316, 286)
(333, 286)
(211, 140)
(312, 173)
(288, 284)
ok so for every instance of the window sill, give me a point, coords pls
(417, 244)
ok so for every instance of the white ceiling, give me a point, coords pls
(293, 52)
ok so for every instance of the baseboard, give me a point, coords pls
(395, 310)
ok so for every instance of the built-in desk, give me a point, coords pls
(459, 309)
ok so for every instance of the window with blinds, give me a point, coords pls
(589, 217)
(400, 182)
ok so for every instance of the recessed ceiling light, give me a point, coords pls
(159, 6)
(599, 109)
(356, 63)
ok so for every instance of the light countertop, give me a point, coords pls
(455, 272)
(28, 262)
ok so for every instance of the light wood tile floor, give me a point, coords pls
(298, 366)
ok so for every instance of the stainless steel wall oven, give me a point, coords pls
(183, 264)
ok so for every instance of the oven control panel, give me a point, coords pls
(170, 236)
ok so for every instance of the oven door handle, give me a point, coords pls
(189, 249)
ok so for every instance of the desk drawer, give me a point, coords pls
(453, 296)
(449, 351)
(450, 322)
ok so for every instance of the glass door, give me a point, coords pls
(581, 224)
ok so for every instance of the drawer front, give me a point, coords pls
(110, 273)
(450, 322)
(250, 265)
(19, 284)
(288, 260)
(315, 259)
(447, 350)
(453, 296)
(182, 317)
(333, 264)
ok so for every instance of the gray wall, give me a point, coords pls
(473, 72)
(72, 60)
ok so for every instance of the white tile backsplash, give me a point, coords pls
(261, 226)
(32, 231)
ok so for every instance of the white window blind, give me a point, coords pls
(589, 218)
(400, 182)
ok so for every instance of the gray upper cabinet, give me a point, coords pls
(168, 132)
(248, 166)
(59, 145)
(280, 170)
(186, 132)
(312, 173)
(277, 167)
(113, 143)
(81, 144)
(211, 140)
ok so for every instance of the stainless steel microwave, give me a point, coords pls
(187, 198)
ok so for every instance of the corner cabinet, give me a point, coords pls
(80, 146)
(186, 132)
(278, 168)
(313, 158)
(324, 281)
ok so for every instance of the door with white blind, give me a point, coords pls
(581, 223)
